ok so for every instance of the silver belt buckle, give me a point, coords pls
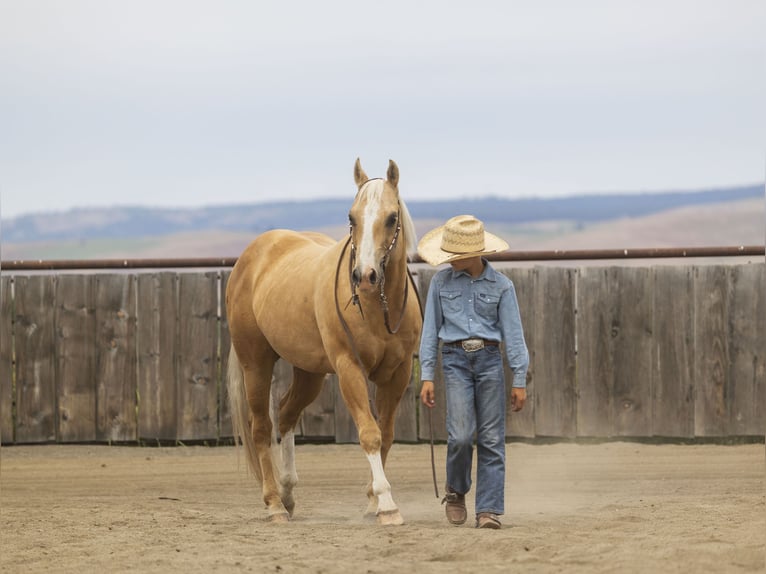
(472, 345)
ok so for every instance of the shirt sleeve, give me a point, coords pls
(429, 338)
(513, 337)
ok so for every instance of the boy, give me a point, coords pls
(472, 309)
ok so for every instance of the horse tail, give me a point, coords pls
(240, 412)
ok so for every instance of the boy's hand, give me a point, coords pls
(518, 398)
(427, 394)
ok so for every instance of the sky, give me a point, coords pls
(185, 103)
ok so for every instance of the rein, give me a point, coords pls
(344, 324)
(355, 300)
(384, 304)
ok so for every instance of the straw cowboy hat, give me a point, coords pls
(461, 237)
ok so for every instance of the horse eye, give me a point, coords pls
(391, 221)
(351, 221)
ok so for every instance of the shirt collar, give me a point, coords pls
(488, 274)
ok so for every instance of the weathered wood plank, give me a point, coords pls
(76, 358)
(225, 429)
(747, 370)
(197, 356)
(116, 400)
(522, 424)
(437, 415)
(595, 371)
(554, 333)
(614, 351)
(632, 347)
(711, 334)
(157, 328)
(673, 357)
(6, 360)
(405, 423)
(35, 358)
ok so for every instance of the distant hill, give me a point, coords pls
(132, 223)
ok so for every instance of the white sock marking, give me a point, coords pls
(290, 476)
(380, 485)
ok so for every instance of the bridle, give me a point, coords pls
(356, 301)
(384, 305)
(383, 262)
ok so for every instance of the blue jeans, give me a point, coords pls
(475, 386)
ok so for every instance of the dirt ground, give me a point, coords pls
(609, 507)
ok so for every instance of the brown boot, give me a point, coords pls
(455, 509)
(488, 520)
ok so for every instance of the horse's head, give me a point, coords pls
(380, 226)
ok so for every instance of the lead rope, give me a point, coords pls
(433, 463)
(430, 410)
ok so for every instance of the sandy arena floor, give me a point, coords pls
(610, 507)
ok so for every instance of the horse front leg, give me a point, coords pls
(388, 395)
(353, 388)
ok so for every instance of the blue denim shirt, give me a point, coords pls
(460, 307)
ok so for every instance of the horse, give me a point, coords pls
(347, 307)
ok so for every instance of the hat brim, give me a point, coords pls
(429, 248)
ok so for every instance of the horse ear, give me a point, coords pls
(359, 176)
(393, 173)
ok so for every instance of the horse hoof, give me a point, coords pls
(279, 518)
(390, 518)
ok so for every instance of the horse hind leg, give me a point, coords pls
(257, 383)
(302, 392)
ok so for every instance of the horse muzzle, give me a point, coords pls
(367, 280)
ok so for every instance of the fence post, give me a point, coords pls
(7, 366)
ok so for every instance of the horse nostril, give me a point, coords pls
(373, 277)
(356, 276)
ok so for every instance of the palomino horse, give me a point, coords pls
(346, 307)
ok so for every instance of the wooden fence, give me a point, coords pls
(656, 351)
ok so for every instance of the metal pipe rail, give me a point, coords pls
(555, 255)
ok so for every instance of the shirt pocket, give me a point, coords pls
(486, 305)
(451, 301)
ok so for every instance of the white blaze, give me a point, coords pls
(373, 191)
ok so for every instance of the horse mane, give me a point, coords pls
(409, 228)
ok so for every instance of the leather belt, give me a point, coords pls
(472, 345)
